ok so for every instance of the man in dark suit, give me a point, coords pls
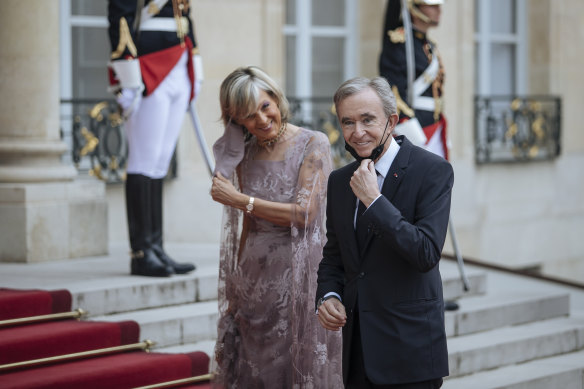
(378, 280)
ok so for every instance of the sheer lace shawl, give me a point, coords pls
(314, 353)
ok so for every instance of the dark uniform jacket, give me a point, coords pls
(128, 43)
(393, 66)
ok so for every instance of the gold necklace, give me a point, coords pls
(271, 141)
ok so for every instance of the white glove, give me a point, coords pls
(129, 99)
(412, 130)
(130, 76)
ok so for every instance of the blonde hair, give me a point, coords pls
(240, 91)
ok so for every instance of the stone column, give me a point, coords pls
(46, 212)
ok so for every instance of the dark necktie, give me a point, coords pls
(360, 230)
(360, 209)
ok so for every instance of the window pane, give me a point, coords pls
(503, 69)
(502, 16)
(89, 7)
(291, 66)
(90, 51)
(290, 11)
(328, 12)
(327, 65)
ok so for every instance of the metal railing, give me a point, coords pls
(94, 131)
(507, 129)
(517, 128)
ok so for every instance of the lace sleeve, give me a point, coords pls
(316, 353)
(312, 179)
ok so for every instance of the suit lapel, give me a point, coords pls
(348, 202)
(397, 170)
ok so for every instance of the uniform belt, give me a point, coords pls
(424, 103)
(426, 78)
(164, 24)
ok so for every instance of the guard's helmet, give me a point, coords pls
(414, 10)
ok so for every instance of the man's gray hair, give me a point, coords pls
(358, 84)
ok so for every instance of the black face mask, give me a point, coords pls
(376, 151)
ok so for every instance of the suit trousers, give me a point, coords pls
(357, 378)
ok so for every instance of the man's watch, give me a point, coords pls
(249, 206)
(323, 299)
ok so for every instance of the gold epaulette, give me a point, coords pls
(401, 105)
(397, 36)
(124, 41)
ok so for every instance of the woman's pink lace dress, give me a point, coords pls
(268, 333)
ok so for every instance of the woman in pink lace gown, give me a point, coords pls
(272, 178)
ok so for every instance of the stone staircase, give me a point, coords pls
(180, 313)
(508, 332)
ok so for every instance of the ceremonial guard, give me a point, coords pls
(421, 118)
(156, 72)
(410, 62)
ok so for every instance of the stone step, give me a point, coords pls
(175, 325)
(452, 284)
(563, 371)
(131, 293)
(122, 292)
(484, 313)
(495, 310)
(103, 285)
(468, 354)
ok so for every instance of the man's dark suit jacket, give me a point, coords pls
(394, 277)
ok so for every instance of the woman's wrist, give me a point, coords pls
(250, 205)
(243, 202)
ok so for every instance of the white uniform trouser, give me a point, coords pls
(153, 128)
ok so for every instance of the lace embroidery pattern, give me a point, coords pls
(268, 334)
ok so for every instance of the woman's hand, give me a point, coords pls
(223, 191)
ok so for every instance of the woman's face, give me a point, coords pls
(265, 122)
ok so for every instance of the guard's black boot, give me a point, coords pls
(146, 263)
(179, 268)
(139, 212)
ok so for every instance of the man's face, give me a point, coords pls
(432, 12)
(363, 121)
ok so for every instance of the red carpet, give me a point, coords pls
(127, 370)
(35, 341)
(25, 342)
(23, 303)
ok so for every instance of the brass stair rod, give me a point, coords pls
(76, 314)
(182, 381)
(144, 345)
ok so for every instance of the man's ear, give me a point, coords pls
(393, 119)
